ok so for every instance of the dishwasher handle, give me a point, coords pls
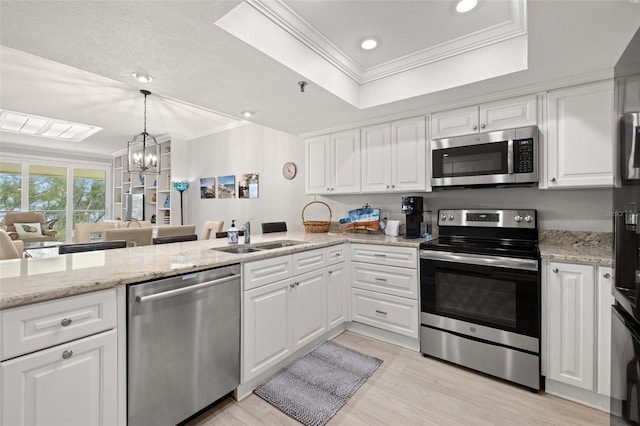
(183, 290)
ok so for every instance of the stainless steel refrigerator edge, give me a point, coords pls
(625, 320)
(183, 337)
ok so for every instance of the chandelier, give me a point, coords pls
(143, 150)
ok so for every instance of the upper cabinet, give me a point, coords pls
(333, 163)
(508, 113)
(581, 136)
(394, 156)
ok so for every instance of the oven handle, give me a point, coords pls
(474, 259)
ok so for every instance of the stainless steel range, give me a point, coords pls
(480, 293)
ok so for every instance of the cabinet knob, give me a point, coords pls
(65, 322)
(556, 270)
(553, 179)
(328, 189)
(393, 186)
(292, 285)
(67, 354)
(483, 126)
(297, 284)
(607, 275)
(329, 272)
(387, 186)
(475, 127)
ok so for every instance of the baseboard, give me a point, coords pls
(581, 396)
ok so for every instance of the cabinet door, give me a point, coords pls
(336, 295)
(318, 170)
(409, 154)
(508, 114)
(391, 313)
(70, 384)
(376, 158)
(345, 162)
(454, 122)
(309, 307)
(571, 324)
(267, 327)
(581, 136)
(605, 300)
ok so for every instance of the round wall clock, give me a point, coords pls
(289, 170)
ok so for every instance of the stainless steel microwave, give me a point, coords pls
(504, 157)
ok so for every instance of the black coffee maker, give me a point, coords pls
(412, 209)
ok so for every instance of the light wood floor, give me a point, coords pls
(409, 389)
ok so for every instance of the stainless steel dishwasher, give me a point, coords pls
(183, 336)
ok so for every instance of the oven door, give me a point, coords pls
(489, 298)
(625, 368)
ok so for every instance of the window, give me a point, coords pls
(65, 194)
(10, 188)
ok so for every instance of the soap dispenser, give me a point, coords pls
(232, 233)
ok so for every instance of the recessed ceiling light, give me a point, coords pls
(246, 114)
(369, 44)
(142, 78)
(464, 6)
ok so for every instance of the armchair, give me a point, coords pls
(32, 220)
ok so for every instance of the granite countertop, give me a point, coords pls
(25, 281)
(577, 246)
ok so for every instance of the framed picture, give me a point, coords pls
(227, 186)
(248, 186)
(208, 187)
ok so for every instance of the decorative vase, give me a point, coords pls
(153, 197)
(167, 202)
(141, 179)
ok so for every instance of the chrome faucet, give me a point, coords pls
(247, 231)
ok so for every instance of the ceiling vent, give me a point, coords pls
(33, 125)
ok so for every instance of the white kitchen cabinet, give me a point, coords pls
(261, 272)
(267, 336)
(336, 295)
(580, 137)
(70, 384)
(394, 156)
(384, 288)
(503, 114)
(309, 261)
(571, 324)
(309, 307)
(60, 362)
(333, 163)
(604, 282)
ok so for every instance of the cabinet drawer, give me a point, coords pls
(395, 314)
(405, 257)
(309, 261)
(336, 254)
(256, 274)
(33, 327)
(385, 279)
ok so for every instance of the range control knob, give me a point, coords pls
(443, 217)
(518, 218)
(528, 218)
(451, 217)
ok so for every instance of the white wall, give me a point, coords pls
(254, 148)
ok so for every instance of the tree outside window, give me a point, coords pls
(10, 188)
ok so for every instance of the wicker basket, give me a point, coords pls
(316, 226)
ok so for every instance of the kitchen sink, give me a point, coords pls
(270, 245)
(277, 244)
(236, 249)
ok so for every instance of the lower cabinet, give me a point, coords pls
(384, 288)
(60, 362)
(283, 316)
(579, 327)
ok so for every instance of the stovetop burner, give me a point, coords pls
(506, 233)
(494, 247)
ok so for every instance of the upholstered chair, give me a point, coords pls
(32, 227)
(133, 236)
(174, 231)
(83, 230)
(10, 249)
(210, 228)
